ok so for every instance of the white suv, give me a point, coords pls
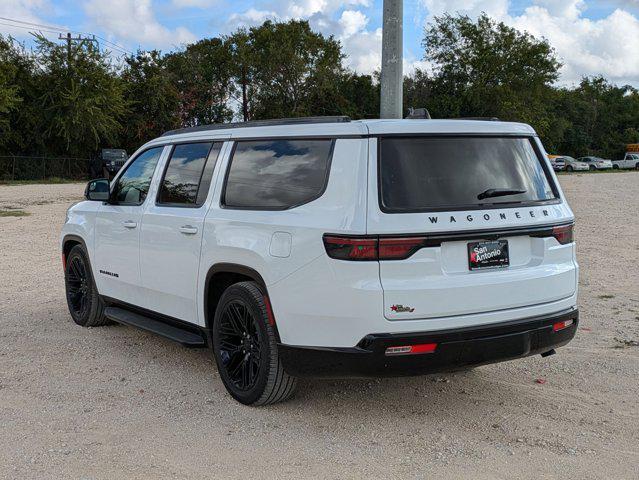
(330, 247)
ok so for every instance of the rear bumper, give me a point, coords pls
(456, 349)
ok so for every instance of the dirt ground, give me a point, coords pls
(115, 402)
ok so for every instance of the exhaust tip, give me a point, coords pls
(548, 353)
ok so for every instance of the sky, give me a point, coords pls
(590, 37)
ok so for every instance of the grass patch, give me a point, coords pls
(606, 296)
(48, 181)
(14, 213)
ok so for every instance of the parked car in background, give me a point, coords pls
(558, 163)
(596, 163)
(631, 160)
(113, 159)
(573, 165)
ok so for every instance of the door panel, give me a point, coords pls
(117, 231)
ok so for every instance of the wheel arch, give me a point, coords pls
(69, 241)
(227, 274)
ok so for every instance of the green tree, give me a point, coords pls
(202, 75)
(152, 97)
(82, 100)
(484, 68)
(297, 71)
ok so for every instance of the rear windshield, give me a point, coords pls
(426, 173)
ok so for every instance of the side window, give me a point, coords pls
(132, 186)
(277, 174)
(187, 177)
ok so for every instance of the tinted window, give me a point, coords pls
(188, 174)
(277, 174)
(133, 185)
(428, 172)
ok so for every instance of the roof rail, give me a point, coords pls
(260, 123)
(484, 119)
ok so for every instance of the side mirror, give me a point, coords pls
(97, 190)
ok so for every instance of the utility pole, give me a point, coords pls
(70, 39)
(392, 57)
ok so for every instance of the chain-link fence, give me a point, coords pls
(18, 167)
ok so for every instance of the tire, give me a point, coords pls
(85, 305)
(637, 167)
(570, 169)
(592, 168)
(615, 167)
(245, 348)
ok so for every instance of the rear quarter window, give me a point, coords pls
(451, 173)
(277, 174)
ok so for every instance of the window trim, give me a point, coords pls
(457, 208)
(130, 162)
(331, 151)
(166, 168)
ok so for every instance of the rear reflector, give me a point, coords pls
(563, 234)
(412, 349)
(562, 325)
(399, 248)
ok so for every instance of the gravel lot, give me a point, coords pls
(115, 402)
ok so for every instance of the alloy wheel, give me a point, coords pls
(78, 287)
(240, 348)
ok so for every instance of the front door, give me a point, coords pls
(171, 234)
(117, 230)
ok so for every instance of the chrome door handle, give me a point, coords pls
(129, 224)
(188, 230)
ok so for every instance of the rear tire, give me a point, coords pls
(245, 348)
(85, 305)
(592, 168)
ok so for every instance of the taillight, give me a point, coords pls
(412, 349)
(351, 248)
(399, 248)
(372, 248)
(563, 234)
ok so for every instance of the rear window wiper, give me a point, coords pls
(499, 192)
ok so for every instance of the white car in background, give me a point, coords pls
(631, 160)
(596, 163)
(573, 165)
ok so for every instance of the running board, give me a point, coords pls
(187, 338)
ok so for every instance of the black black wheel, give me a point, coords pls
(592, 168)
(615, 167)
(570, 169)
(245, 348)
(637, 166)
(85, 305)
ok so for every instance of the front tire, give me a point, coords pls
(570, 169)
(85, 305)
(245, 348)
(592, 168)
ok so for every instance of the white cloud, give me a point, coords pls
(250, 18)
(25, 11)
(352, 21)
(472, 8)
(134, 20)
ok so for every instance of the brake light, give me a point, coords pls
(412, 349)
(351, 248)
(563, 233)
(562, 325)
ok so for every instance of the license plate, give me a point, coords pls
(493, 254)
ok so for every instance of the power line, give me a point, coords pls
(113, 45)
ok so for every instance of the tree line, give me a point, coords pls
(56, 101)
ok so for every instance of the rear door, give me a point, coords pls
(464, 224)
(171, 233)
